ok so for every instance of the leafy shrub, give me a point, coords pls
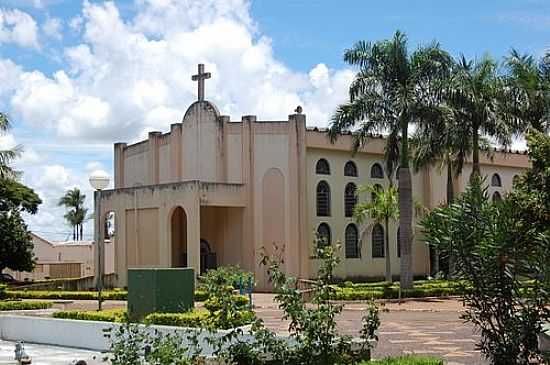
(3, 291)
(68, 295)
(406, 360)
(19, 305)
(201, 295)
(234, 276)
(194, 319)
(107, 315)
(384, 291)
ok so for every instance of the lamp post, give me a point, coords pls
(99, 181)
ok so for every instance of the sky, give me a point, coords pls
(77, 76)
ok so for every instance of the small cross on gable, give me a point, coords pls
(200, 77)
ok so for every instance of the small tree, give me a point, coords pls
(382, 207)
(15, 240)
(497, 251)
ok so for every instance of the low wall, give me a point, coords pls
(79, 334)
(84, 283)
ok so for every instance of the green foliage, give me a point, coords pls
(107, 315)
(68, 295)
(386, 290)
(382, 207)
(225, 309)
(15, 242)
(3, 294)
(498, 246)
(195, 319)
(200, 295)
(407, 360)
(14, 195)
(19, 305)
(130, 345)
(7, 156)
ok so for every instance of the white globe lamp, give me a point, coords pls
(99, 180)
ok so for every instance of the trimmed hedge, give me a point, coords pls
(68, 295)
(108, 315)
(3, 288)
(196, 318)
(19, 305)
(385, 290)
(406, 360)
(200, 295)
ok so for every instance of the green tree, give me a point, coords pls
(392, 90)
(382, 207)
(528, 90)
(502, 251)
(15, 240)
(76, 215)
(9, 155)
(476, 97)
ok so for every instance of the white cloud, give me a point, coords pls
(129, 76)
(52, 28)
(19, 28)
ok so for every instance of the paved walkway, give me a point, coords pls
(48, 355)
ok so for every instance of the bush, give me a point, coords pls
(200, 295)
(406, 360)
(108, 315)
(19, 305)
(194, 319)
(3, 291)
(68, 295)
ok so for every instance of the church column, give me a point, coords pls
(119, 165)
(297, 194)
(176, 162)
(222, 148)
(248, 252)
(193, 210)
(153, 157)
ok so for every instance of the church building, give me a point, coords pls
(213, 192)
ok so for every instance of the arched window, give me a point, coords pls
(350, 199)
(398, 243)
(377, 187)
(350, 169)
(377, 241)
(496, 197)
(323, 235)
(376, 171)
(495, 180)
(322, 167)
(352, 242)
(323, 199)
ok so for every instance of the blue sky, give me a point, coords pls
(76, 76)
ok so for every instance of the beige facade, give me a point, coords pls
(70, 259)
(212, 192)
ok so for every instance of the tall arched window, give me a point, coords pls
(377, 241)
(496, 197)
(323, 234)
(398, 243)
(495, 180)
(376, 171)
(322, 167)
(350, 169)
(350, 199)
(323, 199)
(352, 242)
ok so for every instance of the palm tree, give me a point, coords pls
(528, 89)
(476, 98)
(74, 200)
(382, 207)
(391, 91)
(7, 156)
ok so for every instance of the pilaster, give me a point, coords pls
(176, 160)
(153, 157)
(119, 164)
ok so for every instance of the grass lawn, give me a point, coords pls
(406, 360)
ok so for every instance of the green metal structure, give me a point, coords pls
(158, 290)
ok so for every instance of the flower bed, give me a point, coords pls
(13, 305)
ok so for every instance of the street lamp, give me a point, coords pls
(99, 180)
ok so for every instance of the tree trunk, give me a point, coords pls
(74, 232)
(81, 231)
(475, 153)
(405, 209)
(387, 249)
(450, 198)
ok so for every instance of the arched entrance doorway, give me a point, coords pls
(178, 230)
(208, 258)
